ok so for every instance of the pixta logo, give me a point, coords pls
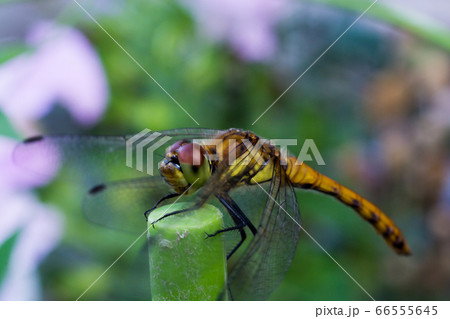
(143, 145)
(253, 150)
(144, 141)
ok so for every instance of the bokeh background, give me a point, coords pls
(377, 105)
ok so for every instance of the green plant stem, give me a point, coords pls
(184, 264)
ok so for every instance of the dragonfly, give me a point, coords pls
(247, 175)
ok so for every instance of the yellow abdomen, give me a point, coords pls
(303, 176)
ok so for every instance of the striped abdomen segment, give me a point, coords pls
(303, 176)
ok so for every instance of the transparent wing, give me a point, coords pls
(101, 158)
(118, 194)
(121, 205)
(266, 259)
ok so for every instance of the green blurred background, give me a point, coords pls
(376, 105)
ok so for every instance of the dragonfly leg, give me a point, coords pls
(240, 226)
(239, 219)
(168, 196)
(223, 296)
(174, 213)
(236, 212)
(229, 291)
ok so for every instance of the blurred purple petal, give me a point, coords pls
(63, 68)
(40, 229)
(16, 176)
(248, 26)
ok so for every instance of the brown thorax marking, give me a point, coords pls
(242, 153)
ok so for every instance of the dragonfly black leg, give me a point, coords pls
(171, 214)
(175, 213)
(168, 196)
(240, 226)
(239, 219)
(229, 291)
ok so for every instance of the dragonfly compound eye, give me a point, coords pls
(174, 147)
(194, 163)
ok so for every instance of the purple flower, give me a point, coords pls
(39, 229)
(38, 226)
(248, 26)
(19, 176)
(64, 68)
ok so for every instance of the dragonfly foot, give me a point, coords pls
(147, 213)
(209, 235)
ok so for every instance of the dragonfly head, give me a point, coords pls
(185, 164)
